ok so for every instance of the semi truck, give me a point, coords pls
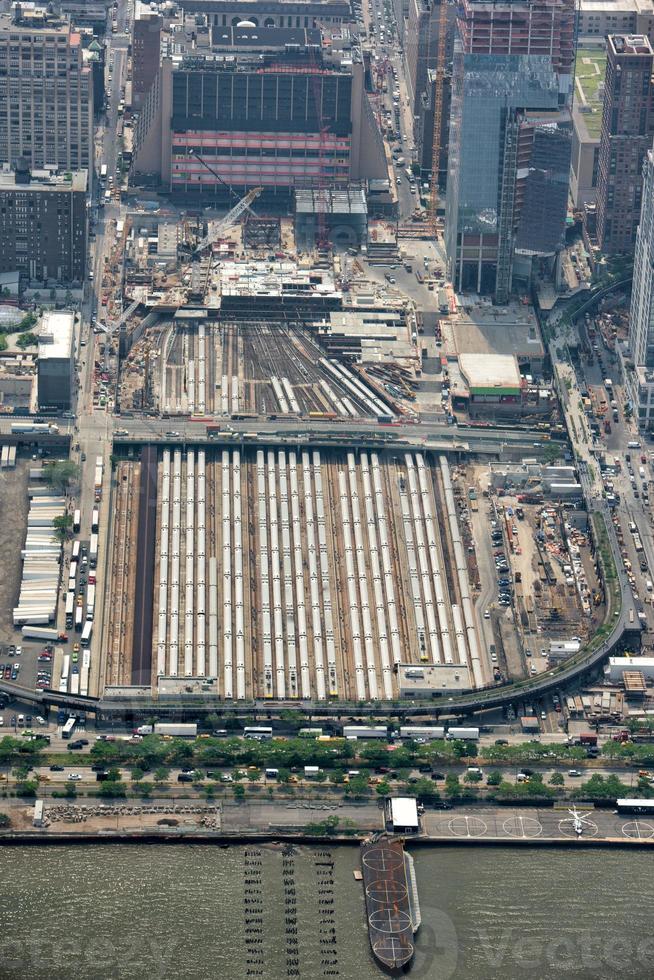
(365, 731)
(90, 601)
(41, 427)
(93, 551)
(427, 732)
(471, 734)
(178, 729)
(43, 633)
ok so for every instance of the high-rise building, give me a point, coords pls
(269, 107)
(43, 225)
(421, 43)
(146, 43)
(46, 91)
(56, 360)
(626, 136)
(639, 370)
(509, 149)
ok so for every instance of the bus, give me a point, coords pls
(69, 727)
(635, 806)
(259, 733)
(76, 547)
(70, 609)
(103, 172)
(77, 520)
(86, 632)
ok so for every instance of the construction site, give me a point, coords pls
(287, 574)
(193, 366)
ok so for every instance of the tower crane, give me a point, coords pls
(230, 219)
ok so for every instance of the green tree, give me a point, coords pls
(112, 788)
(425, 790)
(63, 527)
(358, 785)
(556, 779)
(253, 775)
(239, 792)
(494, 778)
(5, 820)
(198, 776)
(383, 788)
(28, 339)
(27, 787)
(137, 775)
(452, 785)
(62, 474)
(161, 774)
(70, 790)
(473, 777)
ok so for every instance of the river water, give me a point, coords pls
(194, 912)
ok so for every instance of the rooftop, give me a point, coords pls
(264, 37)
(481, 328)
(630, 44)
(590, 72)
(490, 372)
(33, 16)
(404, 811)
(44, 180)
(419, 678)
(56, 336)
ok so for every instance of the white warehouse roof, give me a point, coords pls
(404, 812)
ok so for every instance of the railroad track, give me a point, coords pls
(120, 592)
(144, 561)
(345, 671)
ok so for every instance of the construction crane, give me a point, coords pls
(439, 87)
(242, 205)
(230, 219)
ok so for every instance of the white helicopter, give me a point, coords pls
(578, 820)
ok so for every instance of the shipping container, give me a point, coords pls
(363, 731)
(422, 731)
(180, 730)
(467, 733)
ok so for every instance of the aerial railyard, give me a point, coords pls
(259, 367)
(293, 573)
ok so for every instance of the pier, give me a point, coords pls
(391, 901)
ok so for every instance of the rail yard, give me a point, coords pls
(247, 366)
(287, 574)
